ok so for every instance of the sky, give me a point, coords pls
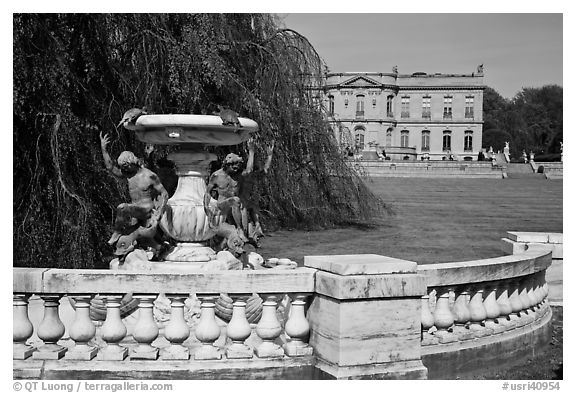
(517, 50)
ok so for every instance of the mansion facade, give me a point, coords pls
(407, 116)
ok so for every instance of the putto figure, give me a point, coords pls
(148, 199)
(234, 189)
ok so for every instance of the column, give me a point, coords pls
(297, 328)
(82, 330)
(443, 317)
(238, 330)
(146, 330)
(176, 331)
(50, 330)
(22, 328)
(207, 331)
(269, 329)
(113, 330)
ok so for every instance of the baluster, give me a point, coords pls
(462, 315)
(268, 329)
(297, 328)
(478, 313)
(531, 295)
(427, 319)
(504, 304)
(176, 331)
(50, 330)
(443, 317)
(492, 309)
(539, 292)
(515, 302)
(207, 330)
(113, 330)
(526, 313)
(238, 330)
(146, 330)
(22, 328)
(82, 330)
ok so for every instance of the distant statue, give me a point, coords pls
(136, 222)
(531, 156)
(524, 157)
(507, 151)
(480, 69)
(395, 69)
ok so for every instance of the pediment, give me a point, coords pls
(360, 81)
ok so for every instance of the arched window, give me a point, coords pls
(389, 137)
(468, 140)
(404, 138)
(425, 140)
(331, 105)
(447, 140)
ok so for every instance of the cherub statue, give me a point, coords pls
(137, 221)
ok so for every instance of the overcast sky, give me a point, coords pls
(517, 50)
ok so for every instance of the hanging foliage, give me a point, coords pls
(76, 74)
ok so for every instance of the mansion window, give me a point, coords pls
(426, 107)
(469, 108)
(331, 105)
(405, 102)
(447, 107)
(468, 140)
(359, 138)
(404, 138)
(447, 141)
(425, 140)
(389, 111)
(360, 105)
(389, 137)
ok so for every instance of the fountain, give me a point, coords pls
(184, 219)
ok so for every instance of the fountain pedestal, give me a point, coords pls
(184, 219)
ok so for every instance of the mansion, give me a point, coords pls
(407, 116)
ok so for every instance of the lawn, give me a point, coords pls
(436, 220)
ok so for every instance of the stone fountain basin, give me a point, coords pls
(181, 129)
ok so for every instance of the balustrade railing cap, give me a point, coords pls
(535, 237)
(347, 265)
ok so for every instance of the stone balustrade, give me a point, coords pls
(340, 316)
(280, 331)
(473, 305)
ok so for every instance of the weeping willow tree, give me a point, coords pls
(75, 75)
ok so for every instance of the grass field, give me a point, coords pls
(436, 220)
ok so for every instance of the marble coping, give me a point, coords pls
(493, 269)
(78, 281)
(360, 264)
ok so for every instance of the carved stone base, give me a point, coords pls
(293, 349)
(496, 327)
(269, 350)
(190, 252)
(239, 351)
(50, 352)
(81, 353)
(480, 331)
(113, 352)
(175, 352)
(445, 336)
(22, 351)
(463, 333)
(429, 339)
(144, 353)
(207, 352)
